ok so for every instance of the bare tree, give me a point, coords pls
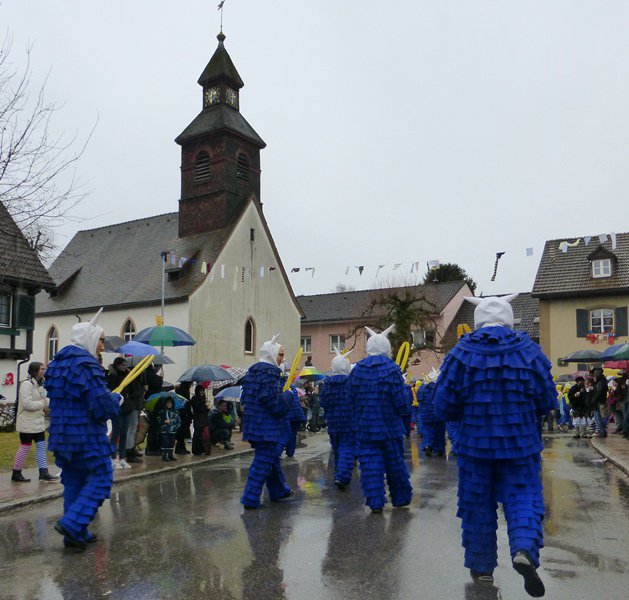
(38, 182)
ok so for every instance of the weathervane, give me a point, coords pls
(220, 7)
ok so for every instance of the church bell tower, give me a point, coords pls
(220, 152)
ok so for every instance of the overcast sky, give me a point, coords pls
(397, 132)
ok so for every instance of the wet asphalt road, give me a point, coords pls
(185, 535)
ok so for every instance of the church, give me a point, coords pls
(213, 263)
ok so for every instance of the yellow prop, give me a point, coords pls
(462, 329)
(135, 372)
(293, 369)
(402, 355)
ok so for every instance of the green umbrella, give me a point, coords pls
(164, 335)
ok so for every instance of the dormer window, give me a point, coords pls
(602, 267)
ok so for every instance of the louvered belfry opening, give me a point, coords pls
(202, 167)
(242, 167)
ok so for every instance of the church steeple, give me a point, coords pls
(220, 152)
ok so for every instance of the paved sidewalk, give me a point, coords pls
(615, 449)
(14, 495)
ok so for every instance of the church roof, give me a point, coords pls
(220, 117)
(220, 67)
(353, 305)
(120, 265)
(18, 261)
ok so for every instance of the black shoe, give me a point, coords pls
(17, 476)
(261, 505)
(428, 451)
(482, 577)
(132, 459)
(402, 505)
(171, 457)
(164, 458)
(376, 511)
(339, 484)
(287, 495)
(68, 540)
(533, 585)
(44, 475)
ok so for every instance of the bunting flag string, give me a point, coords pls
(499, 255)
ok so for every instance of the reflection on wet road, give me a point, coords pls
(186, 535)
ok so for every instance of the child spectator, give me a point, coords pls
(169, 422)
(221, 424)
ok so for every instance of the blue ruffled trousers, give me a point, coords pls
(380, 458)
(344, 447)
(434, 436)
(86, 485)
(265, 468)
(291, 442)
(516, 483)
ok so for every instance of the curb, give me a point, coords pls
(46, 496)
(603, 451)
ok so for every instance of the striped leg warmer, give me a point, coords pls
(20, 456)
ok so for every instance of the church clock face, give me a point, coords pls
(231, 96)
(211, 96)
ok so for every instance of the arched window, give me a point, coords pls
(250, 336)
(242, 167)
(202, 167)
(128, 330)
(52, 343)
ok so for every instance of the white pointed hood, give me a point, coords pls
(269, 351)
(433, 375)
(378, 343)
(86, 335)
(493, 311)
(340, 363)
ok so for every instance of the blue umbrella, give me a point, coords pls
(137, 349)
(206, 373)
(230, 393)
(164, 336)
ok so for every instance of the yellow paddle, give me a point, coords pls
(135, 372)
(293, 369)
(402, 355)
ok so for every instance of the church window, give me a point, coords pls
(52, 343)
(250, 335)
(128, 330)
(202, 167)
(242, 167)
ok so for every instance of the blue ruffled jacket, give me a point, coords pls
(497, 383)
(377, 399)
(425, 398)
(264, 404)
(295, 413)
(80, 404)
(335, 403)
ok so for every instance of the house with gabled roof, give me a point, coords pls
(525, 315)
(339, 319)
(22, 276)
(213, 263)
(583, 292)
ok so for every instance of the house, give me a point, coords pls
(338, 319)
(583, 292)
(22, 276)
(213, 263)
(525, 313)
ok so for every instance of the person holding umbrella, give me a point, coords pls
(265, 406)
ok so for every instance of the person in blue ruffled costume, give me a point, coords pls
(496, 382)
(338, 416)
(434, 429)
(265, 427)
(379, 408)
(80, 406)
(295, 418)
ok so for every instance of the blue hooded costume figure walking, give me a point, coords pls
(265, 406)
(338, 416)
(80, 405)
(496, 382)
(295, 419)
(433, 428)
(378, 400)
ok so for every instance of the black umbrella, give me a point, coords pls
(206, 373)
(583, 356)
(160, 359)
(113, 343)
